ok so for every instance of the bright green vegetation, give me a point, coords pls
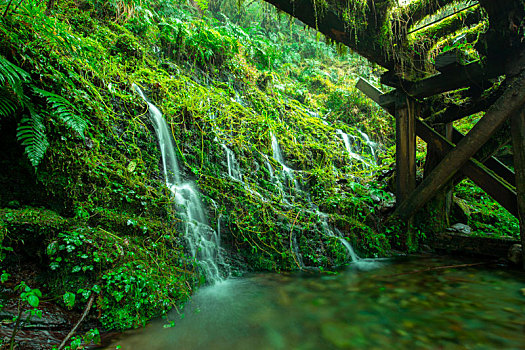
(88, 204)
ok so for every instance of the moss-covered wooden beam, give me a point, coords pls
(455, 112)
(415, 11)
(449, 25)
(374, 29)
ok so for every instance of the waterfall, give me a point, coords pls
(234, 171)
(348, 145)
(203, 241)
(288, 172)
(277, 155)
(368, 143)
(170, 165)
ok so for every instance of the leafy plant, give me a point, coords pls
(28, 297)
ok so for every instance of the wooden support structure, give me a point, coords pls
(508, 104)
(496, 187)
(493, 176)
(518, 145)
(492, 163)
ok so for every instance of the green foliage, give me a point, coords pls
(12, 76)
(31, 134)
(64, 111)
(216, 82)
(484, 215)
(79, 342)
(28, 297)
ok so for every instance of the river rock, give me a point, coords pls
(515, 254)
(461, 228)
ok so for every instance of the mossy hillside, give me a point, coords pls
(118, 235)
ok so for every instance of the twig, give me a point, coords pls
(435, 268)
(7, 8)
(291, 247)
(17, 327)
(17, 6)
(86, 311)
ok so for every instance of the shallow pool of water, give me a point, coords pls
(401, 304)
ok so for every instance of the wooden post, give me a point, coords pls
(405, 148)
(405, 158)
(518, 146)
(449, 197)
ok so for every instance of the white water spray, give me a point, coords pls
(203, 241)
(234, 170)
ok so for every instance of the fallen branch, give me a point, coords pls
(434, 268)
(86, 311)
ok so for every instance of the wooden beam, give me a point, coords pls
(482, 174)
(518, 146)
(455, 78)
(369, 90)
(472, 74)
(474, 105)
(508, 104)
(493, 185)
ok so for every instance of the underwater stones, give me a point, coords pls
(341, 335)
(514, 255)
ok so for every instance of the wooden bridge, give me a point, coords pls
(483, 63)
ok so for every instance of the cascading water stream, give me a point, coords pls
(368, 143)
(277, 154)
(348, 145)
(234, 170)
(203, 241)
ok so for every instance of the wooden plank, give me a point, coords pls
(456, 78)
(369, 90)
(493, 185)
(508, 104)
(518, 146)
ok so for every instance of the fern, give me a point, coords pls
(31, 134)
(64, 111)
(13, 76)
(7, 106)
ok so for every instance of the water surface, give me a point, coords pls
(372, 305)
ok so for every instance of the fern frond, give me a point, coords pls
(7, 106)
(64, 111)
(31, 134)
(12, 75)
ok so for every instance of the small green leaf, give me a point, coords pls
(52, 248)
(33, 300)
(4, 277)
(69, 299)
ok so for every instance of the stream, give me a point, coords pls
(383, 304)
